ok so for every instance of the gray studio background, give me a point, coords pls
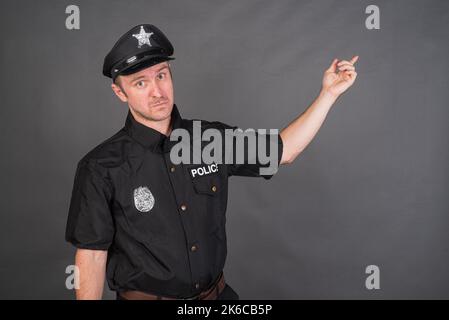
(371, 188)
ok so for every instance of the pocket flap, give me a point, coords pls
(207, 185)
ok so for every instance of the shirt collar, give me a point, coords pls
(149, 137)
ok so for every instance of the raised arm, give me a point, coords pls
(300, 132)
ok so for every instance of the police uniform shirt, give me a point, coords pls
(162, 224)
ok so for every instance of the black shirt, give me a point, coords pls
(162, 224)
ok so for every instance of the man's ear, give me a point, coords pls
(119, 92)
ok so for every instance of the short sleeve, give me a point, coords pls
(255, 153)
(90, 224)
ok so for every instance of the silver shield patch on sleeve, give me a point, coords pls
(143, 199)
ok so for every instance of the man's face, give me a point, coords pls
(149, 92)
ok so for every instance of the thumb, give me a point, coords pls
(333, 66)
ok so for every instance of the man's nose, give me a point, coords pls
(156, 90)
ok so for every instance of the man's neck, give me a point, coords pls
(162, 126)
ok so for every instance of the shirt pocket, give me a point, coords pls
(211, 198)
(209, 185)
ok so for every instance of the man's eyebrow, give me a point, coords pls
(138, 78)
(162, 68)
(143, 76)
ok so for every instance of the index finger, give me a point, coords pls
(354, 59)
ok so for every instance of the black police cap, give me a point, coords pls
(141, 47)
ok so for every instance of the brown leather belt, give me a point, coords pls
(210, 294)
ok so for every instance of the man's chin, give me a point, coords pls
(160, 112)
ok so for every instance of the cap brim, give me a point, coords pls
(143, 63)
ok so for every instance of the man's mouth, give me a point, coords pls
(159, 103)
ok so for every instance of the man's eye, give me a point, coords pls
(161, 76)
(140, 84)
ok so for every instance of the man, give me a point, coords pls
(154, 227)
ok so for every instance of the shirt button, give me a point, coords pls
(194, 248)
(214, 188)
(172, 169)
(183, 207)
(197, 285)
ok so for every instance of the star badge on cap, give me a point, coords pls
(133, 51)
(143, 37)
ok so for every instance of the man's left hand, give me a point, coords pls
(339, 76)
